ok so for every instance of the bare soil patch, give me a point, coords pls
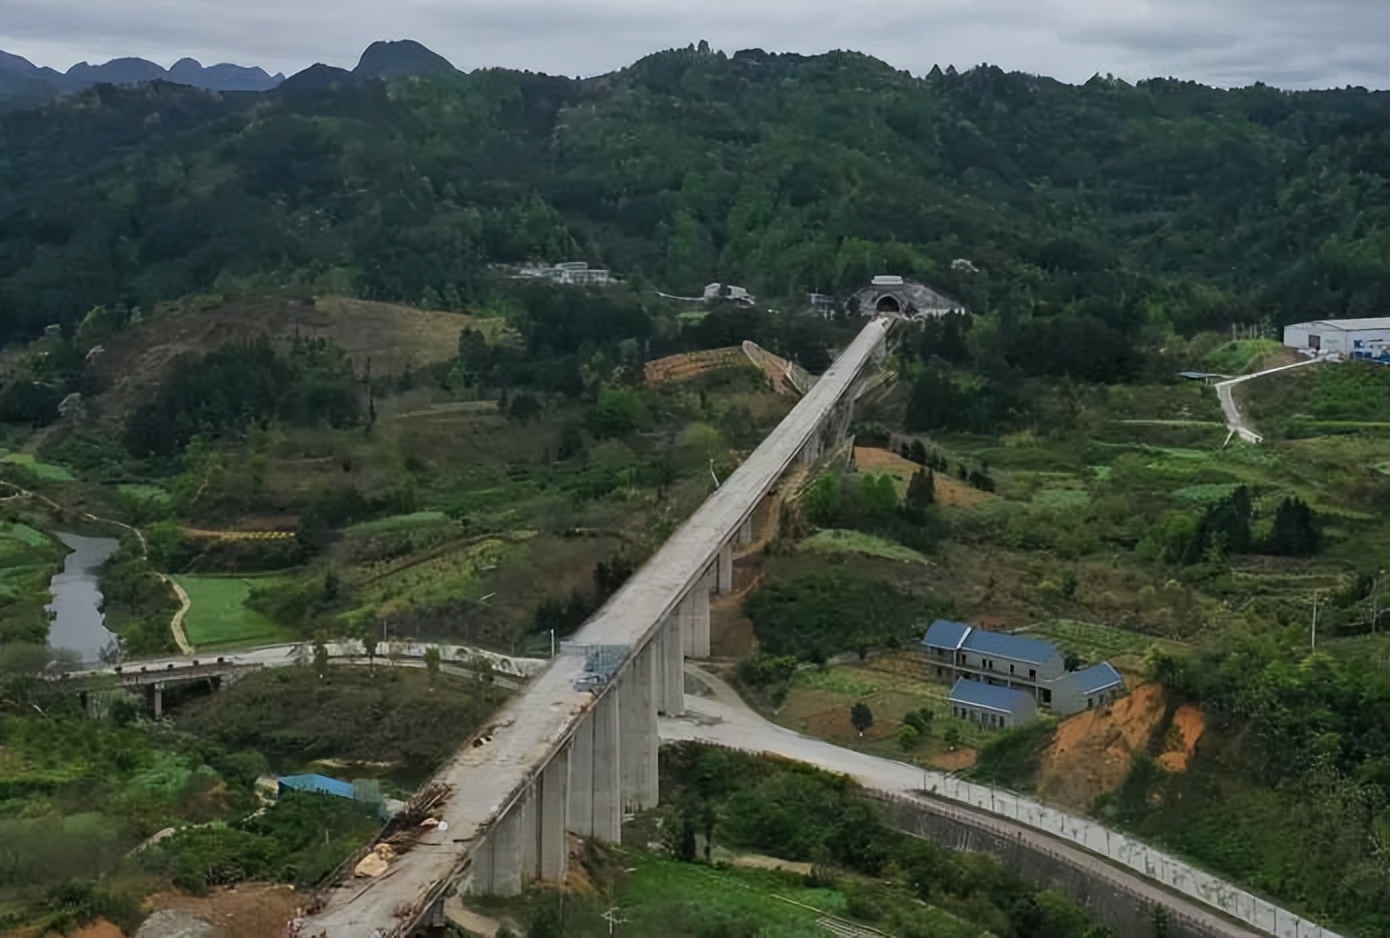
(1092, 752)
(253, 910)
(756, 861)
(949, 761)
(1188, 726)
(395, 338)
(730, 630)
(950, 492)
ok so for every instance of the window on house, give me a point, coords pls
(1032, 674)
(1090, 703)
(1011, 669)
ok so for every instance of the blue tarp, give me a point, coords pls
(316, 783)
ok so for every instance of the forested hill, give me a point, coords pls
(1093, 211)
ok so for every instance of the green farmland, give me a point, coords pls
(218, 615)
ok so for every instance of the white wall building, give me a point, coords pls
(1365, 338)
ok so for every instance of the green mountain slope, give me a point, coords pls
(1092, 210)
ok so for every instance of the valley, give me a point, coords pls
(331, 423)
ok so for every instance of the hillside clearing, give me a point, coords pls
(218, 615)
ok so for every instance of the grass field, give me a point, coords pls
(819, 701)
(670, 897)
(657, 895)
(835, 541)
(48, 472)
(28, 558)
(217, 613)
(143, 492)
(1099, 642)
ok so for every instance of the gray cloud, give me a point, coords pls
(1283, 43)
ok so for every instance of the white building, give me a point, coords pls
(1350, 338)
(569, 273)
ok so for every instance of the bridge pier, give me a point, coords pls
(154, 693)
(496, 869)
(671, 657)
(605, 777)
(552, 804)
(637, 723)
(579, 818)
(694, 618)
(724, 567)
(745, 531)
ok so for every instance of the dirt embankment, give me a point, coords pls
(253, 910)
(950, 492)
(1093, 751)
(393, 338)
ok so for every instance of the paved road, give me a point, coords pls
(1235, 421)
(278, 656)
(724, 719)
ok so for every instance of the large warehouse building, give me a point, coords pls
(1350, 338)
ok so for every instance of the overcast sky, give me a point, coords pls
(1288, 43)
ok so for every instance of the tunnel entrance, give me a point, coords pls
(888, 303)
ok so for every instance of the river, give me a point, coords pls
(77, 620)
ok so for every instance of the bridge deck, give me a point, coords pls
(636, 610)
(532, 726)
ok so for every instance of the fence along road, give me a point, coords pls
(724, 720)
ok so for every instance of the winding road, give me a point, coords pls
(1235, 421)
(723, 719)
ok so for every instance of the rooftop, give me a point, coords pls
(1093, 680)
(322, 784)
(944, 633)
(989, 696)
(1004, 645)
(1348, 325)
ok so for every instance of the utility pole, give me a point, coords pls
(611, 917)
(1313, 643)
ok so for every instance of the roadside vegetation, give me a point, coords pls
(78, 795)
(324, 404)
(755, 846)
(1112, 521)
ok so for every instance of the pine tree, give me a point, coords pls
(921, 489)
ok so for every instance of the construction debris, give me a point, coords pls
(420, 817)
(376, 862)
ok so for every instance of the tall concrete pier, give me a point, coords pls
(578, 748)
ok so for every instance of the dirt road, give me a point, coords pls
(1235, 421)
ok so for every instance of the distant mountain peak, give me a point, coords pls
(403, 58)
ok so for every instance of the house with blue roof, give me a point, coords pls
(955, 650)
(959, 652)
(1087, 689)
(991, 706)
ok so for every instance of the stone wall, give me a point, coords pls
(1107, 900)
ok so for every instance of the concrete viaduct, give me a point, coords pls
(578, 749)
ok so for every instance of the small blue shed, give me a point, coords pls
(322, 784)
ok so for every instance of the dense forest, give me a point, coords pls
(1088, 214)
